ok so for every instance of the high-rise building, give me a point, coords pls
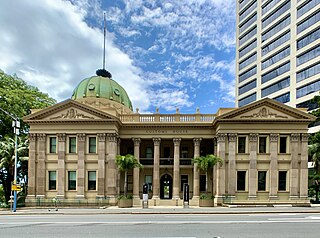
(278, 51)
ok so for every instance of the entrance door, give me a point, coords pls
(166, 187)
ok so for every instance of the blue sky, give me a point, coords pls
(166, 53)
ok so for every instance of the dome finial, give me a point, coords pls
(103, 73)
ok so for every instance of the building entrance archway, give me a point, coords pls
(166, 187)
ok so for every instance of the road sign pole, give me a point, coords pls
(16, 132)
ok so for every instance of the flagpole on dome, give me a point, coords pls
(103, 72)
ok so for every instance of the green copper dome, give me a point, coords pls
(101, 87)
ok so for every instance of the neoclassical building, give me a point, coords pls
(73, 146)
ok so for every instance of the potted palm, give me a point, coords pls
(125, 163)
(205, 163)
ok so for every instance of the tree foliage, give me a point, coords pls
(205, 163)
(125, 163)
(17, 98)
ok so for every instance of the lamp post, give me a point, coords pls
(16, 126)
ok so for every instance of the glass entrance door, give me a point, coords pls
(166, 187)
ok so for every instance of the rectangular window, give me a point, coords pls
(248, 61)
(275, 43)
(52, 180)
(149, 153)
(166, 152)
(241, 180)
(72, 145)
(262, 144)
(130, 183)
(72, 180)
(248, 35)
(243, 14)
(184, 152)
(247, 74)
(92, 180)
(308, 89)
(247, 100)
(275, 72)
(183, 180)
(241, 144)
(310, 21)
(148, 181)
(262, 178)
(53, 145)
(270, 4)
(307, 7)
(308, 39)
(202, 183)
(283, 144)
(276, 87)
(309, 55)
(248, 48)
(243, 3)
(252, 19)
(284, 98)
(247, 87)
(308, 72)
(276, 14)
(282, 181)
(308, 104)
(92, 145)
(273, 30)
(276, 58)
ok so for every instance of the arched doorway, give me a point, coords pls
(166, 187)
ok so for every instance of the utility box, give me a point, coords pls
(145, 196)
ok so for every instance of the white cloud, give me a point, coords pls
(49, 44)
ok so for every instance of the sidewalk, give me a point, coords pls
(161, 210)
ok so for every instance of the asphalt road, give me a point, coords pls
(161, 225)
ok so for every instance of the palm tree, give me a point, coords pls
(314, 152)
(125, 163)
(205, 163)
(7, 153)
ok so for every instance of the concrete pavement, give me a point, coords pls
(161, 210)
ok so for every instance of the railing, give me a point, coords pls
(167, 118)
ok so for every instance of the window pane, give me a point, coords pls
(308, 72)
(72, 179)
(202, 183)
(248, 23)
(307, 7)
(72, 144)
(248, 35)
(52, 180)
(248, 61)
(284, 98)
(262, 144)
(148, 180)
(247, 100)
(92, 144)
(276, 87)
(269, 5)
(276, 58)
(53, 145)
(91, 180)
(241, 180)
(283, 144)
(282, 181)
(276, 28)
(262, 175)
(280, 10)
(309, 55)
(308, 89)
(247, 74)
(248, 48)
(310, 21)
(183, 180)
(247, 87)
(243, 14)
(275, 72)
(241, 144)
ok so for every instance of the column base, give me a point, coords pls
(294, 197)
(112, 200)
(194, 201)
(218, 199)
(273, 197)
(252, 197)
(156, 201)
(136, 201)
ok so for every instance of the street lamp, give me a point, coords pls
(16, 126)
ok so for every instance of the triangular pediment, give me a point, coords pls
(267, 109)
(69, 110)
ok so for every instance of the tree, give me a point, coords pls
(17, 98)
(125, 163)
(7, 147)
(205, 163)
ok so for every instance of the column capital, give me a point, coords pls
(304, 137)
(81, 137)
(41, 137)
(101, 137)
(221, 137)
(274, 137)
(156, 141)
(294, 137)
(197, 141)
(61, 137)
(32, 137)
(136, 141)
(253, 137)
(112, 137)
(232, 137)
(176, 141)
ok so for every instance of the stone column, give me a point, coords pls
(41, 167)
(119, 174)
(81, 149)
(101, 165)
(156, 168)
(294, 168)
(273, 171)
(32, 167)
(176, 168)
(214, 179)
(112, 171)
(304, 167)
(61, 165)
(253, 174)
(220, 181)
(232, 174)
(136, 171)
(196, 172)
